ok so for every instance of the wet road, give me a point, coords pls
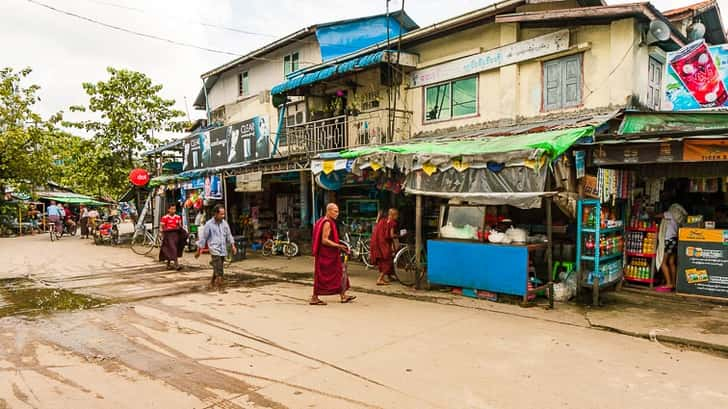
(162, 341)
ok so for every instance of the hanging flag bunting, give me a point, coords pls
(329, 166)
(459, 165)
(429, 168)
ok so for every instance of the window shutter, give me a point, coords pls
(572, 81)
(552, 84)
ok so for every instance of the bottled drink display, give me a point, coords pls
(641, 242)
(638, 268)
(608, 245)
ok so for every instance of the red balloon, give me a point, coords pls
(139, 177)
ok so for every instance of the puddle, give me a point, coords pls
(19, 296)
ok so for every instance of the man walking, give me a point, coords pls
(216, 235)
(328, 278)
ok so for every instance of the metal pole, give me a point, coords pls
(313, 199)
(550, 249)
(224, 193)
(418, 237)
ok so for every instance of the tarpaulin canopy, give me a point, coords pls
(71, 198)
(329, 71)
(166, 179)
(480, 149)
(688, 122)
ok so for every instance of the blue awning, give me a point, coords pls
(329, 71)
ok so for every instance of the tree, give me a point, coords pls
(130, 110)
(27, 142)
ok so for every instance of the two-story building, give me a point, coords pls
(240, 158)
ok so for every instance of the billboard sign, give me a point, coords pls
(237, 143)
(696, 77)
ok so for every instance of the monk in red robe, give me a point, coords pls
(383, 245)
(328, 278)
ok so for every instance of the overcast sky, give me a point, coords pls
(64, 51)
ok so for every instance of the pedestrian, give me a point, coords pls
(384, 244)
(328, 277)
(33, 217)
(173, 238)
(93, 216)
(83, 221)
(667, 245)
(55, 216)
(216, 236)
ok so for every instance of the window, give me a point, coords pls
(243, 85)
(562, 83)
(452, 99)
(290, 63)
(654, 84)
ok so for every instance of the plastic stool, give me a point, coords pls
(569, 266)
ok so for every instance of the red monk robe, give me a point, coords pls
(381, 245)
(328, 276)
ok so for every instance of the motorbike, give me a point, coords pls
(107, 232)
(69, 228)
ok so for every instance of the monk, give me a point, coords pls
(384, 244)
(328, 278)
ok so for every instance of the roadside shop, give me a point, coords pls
(675, 166)
(495, 212)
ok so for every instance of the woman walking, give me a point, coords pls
(173, 238)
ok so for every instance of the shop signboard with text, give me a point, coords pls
(237, 143)
(705, 150)
(696, 77)
(616, 154)
(508, 54)
(702, 262)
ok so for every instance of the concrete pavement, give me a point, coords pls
(164, 342)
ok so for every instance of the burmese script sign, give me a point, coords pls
(509, 54)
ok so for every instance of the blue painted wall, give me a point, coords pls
(344, 38)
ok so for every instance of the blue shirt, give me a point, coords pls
(53, 210)
(217, 236)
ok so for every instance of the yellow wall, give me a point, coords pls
(614, 69)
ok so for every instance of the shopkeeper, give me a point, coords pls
(667, 244)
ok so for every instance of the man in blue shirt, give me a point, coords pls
(217, 236)
(54, 216)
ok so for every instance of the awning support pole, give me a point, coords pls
(550, 249)
(418, 240)
(313, 200)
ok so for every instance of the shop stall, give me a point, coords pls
(484, 180)
(676, 202)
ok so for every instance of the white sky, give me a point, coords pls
(65, 51)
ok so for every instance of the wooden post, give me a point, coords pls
(418, 239)
(224, 193)
(313, 200)
(304, 198)
(549, 237)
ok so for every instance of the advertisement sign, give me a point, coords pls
(237, 143)
(702, 267)
(662, 152)
(249, 182)
(509, 54)
(705, 150)
(696, 77)
(213, 187)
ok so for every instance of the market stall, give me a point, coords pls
(482, 178)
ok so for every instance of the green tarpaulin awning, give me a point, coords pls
(550, 143)
(687, 122)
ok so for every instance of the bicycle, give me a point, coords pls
(281, 243)
(53, 232)
(144, 241)
(360, 249)
(406, 269)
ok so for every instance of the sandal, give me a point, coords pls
(317, 302)
(348, 298)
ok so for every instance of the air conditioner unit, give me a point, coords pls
(264, 96)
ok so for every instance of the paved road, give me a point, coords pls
(164, 342)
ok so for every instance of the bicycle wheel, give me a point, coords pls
(141, 244)
(366, 254)
(52, 233)
(72, 230)
(405, 266)
(268, 247)
(290, 249)
(115, 236)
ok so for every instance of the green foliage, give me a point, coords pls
(126, 111)
(27, 142)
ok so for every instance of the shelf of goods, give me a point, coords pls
(600, 244)
(641, 245)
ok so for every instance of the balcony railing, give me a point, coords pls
(347, 131)
(317, 136)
